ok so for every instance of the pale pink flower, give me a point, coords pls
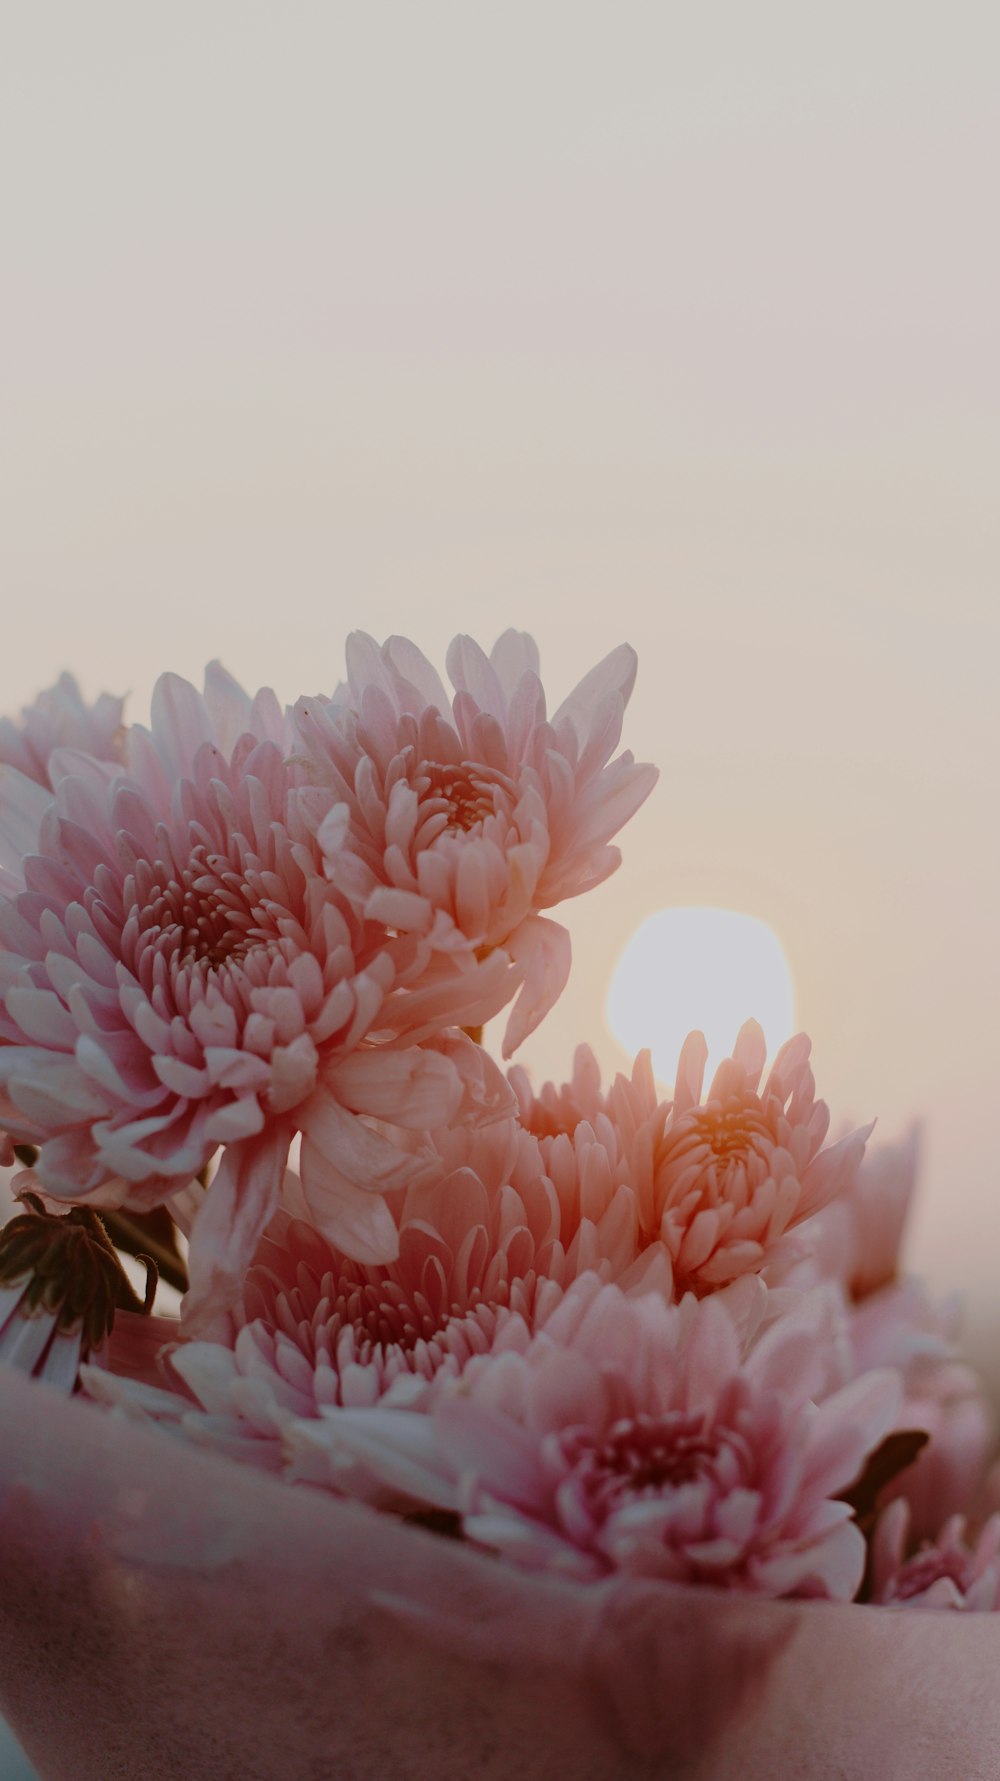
(487, 1236)
(948, 1572)
(949, 1403)
(857, 1238)
(737, 1171)
(879, 1200)
(459, 820)
(178, 974)
(631, 1435)
(61, 718)
(900, 1327)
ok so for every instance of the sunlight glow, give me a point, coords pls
(710, 969)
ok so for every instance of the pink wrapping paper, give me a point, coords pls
(167, 1614)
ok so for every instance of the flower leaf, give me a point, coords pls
(891, 1457)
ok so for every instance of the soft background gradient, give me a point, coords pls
(676, 323)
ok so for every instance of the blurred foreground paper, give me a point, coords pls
(165, 1613)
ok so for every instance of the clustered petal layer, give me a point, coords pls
(589, 1328)
(738, 1170)
(61, 718)
(715, 1184)
(628, 1434)
(950, 1571)
(459, 820)
(488, 1234)
(179, 975)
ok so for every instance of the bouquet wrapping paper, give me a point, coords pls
(165, 1613)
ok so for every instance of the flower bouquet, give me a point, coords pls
(371, 1411)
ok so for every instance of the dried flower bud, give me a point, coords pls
(61, 1281)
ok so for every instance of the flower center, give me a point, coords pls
(416, 1315)
(385, 1316)
(465, 794)
(721, 1138)
(381, 1313)
(730, 1131)
(645, 1456)
(211, 915)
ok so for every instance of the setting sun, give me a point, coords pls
(710, 969)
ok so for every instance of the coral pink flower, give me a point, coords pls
(947, 1572)
(178, 974)
(537, 1210)
(460, 820)
(736, 1172)
(638, 1436)
(713, 1187)
(61, 718)
(899, 1327)
(599, 1149)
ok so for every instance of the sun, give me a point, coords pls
(709, 969)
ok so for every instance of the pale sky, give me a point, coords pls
(673, 323)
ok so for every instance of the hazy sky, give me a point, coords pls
(676, 323)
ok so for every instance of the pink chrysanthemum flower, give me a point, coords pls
(632, 1435)
(899, 1327)
(599, 1148)
(61, 718)
(879, 1203)
(489, 1236)
(314, 1330)
(539, 1209)
(178, 974)
(713, 1187)
(948, 1572)
(857, 1239)
(738, 1170)
(460, 820)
